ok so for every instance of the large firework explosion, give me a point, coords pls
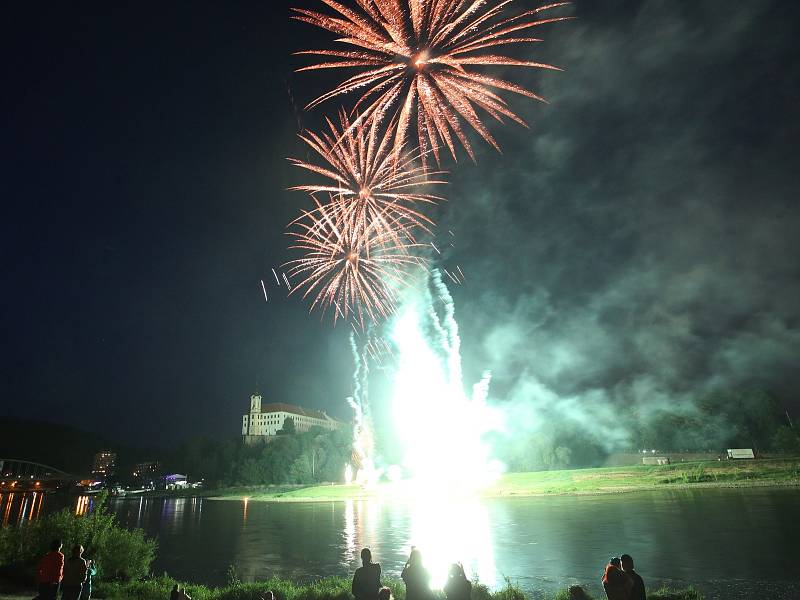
(355, 271)
(415, 59)
(375, 189)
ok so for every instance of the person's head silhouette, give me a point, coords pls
(415, 558)
(366, 556)
(627, 562)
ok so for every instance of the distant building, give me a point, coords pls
(175, 481)
(265, 420)
(105, 463)
(147, 472)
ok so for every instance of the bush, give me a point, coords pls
(667, 594)
(330, 588)
(119, 553)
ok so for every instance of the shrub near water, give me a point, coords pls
(120, 553)
(330, 588)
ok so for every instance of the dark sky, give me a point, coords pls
(640, 242)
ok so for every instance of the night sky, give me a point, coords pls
(641, 243)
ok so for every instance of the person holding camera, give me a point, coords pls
(416, 577)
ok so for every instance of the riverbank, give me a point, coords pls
(330, 588)
(606, 480)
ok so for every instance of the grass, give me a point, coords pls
(606, 480)
(330, 588)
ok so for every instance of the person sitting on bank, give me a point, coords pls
(416, 577)
(637, 591)
(616, 583)
(458, 587)
(268, 595)
(175, 594)
(50, 572)
(74, 575)
(367, 578)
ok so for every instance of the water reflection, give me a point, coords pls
(678, 538)
(83, 505)
(18, 508)
(456, 531)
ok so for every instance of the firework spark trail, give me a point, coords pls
(363, 436)
(263, 287)
(446, 326)
(414, 62)
(375, 186)
(354, 269)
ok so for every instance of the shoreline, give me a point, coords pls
(501, 495)
(775, 473)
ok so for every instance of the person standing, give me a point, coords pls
(367, 578)
(91, 571)
(616, 583)
(416, 577)
(637, 591)
(74, 575)
(458, 587)
(50, 572)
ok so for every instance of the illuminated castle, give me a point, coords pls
(265, 420)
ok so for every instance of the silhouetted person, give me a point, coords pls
(175, 594)
(91, 571)
(416, 577)
(458, 587)
(367, 578)
(74, 575)
(637, 591)
(616, 582)
(268, 595)
(50, 572)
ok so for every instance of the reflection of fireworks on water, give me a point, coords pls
(414, 58)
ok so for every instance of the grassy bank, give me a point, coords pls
(331, 588)
(609, 480)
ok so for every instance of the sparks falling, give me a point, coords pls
(375, 189)
(415, 59)
(355, 271)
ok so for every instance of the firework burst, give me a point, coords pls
(355, 271)
(374, 189)
(415, 62)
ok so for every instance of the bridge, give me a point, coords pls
(16, 474)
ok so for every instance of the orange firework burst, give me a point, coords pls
(414, 59)
(353, 270)
(374, 188)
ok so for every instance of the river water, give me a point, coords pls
(729, 543)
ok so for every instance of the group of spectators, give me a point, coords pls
(72, 576)
(367, 580)
(621, 581)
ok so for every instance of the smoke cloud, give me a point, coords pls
(638, 246)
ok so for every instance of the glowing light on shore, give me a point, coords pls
(442, 428)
